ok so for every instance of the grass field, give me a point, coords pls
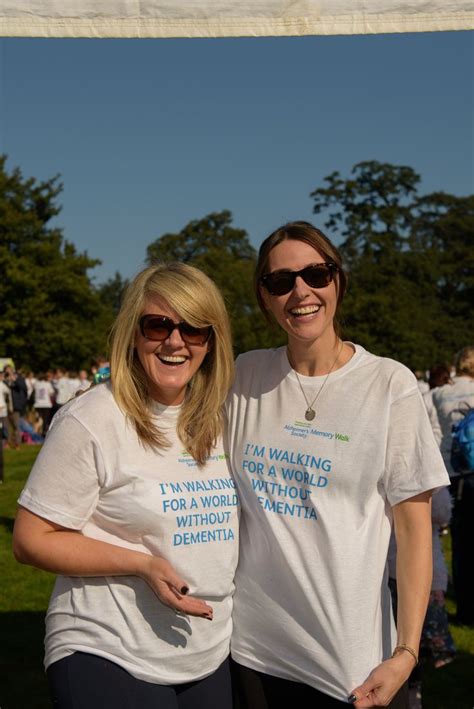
(24, 594)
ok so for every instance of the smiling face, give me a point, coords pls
(169, 365)
(305, 313)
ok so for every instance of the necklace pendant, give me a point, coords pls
(309, 414)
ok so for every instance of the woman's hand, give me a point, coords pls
(384, 681)
(171, 589)
(49, 546)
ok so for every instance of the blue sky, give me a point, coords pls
(149, 134)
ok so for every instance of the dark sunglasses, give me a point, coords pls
(282, 282)
(159, 328)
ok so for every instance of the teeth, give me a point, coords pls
(176, 359)
(305, 310)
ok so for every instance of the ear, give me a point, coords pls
(265, 296)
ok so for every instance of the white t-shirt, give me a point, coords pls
(30, 384)
(312, 603)
(423, 386)
(63, 390)
(5, 400)
(44, 393)
(82, 385)
(94, 475)
(74, 384)
(447, 402)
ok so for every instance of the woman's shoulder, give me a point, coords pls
(263, 357)
(397, 376)
(255, 363)
(254, 368)
(93, 406)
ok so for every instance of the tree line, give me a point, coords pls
(409, 257)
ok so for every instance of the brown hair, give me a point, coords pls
(309, 234)
(439, 374)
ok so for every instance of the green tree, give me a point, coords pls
(225, 254)
(51, 313)
(440, 260)
(410, 260)
(111, 292)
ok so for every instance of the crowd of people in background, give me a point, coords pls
(28, 400)
(448, 393)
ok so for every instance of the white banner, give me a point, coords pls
(229, 18)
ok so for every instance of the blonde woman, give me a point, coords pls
(131, 503)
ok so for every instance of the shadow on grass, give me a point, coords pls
(21, 661)
(8, 523)
(448, 686)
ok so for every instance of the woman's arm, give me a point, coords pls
(49, 546)
(412, 519)
(413, 532)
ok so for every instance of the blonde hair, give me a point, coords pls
(464, 362)
(197, 300)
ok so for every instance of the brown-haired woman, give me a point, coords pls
(131, 502)
(329, 444)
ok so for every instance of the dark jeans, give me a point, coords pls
(255, 690)
(85, 681)
(14, 433)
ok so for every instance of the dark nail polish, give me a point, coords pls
(352, 698)
(184, 590)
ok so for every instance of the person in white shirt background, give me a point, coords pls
(450, 402)
(74, 383)
(30, 380)
(5, 409)
(44, 393)
(84, 382)
(437, 645)
(63, 388)
(329, 445)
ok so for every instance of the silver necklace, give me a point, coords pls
(310, 413)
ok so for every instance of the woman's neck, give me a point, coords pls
(317, 358)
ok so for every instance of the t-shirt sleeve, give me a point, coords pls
(64, 483)
(413, 462)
